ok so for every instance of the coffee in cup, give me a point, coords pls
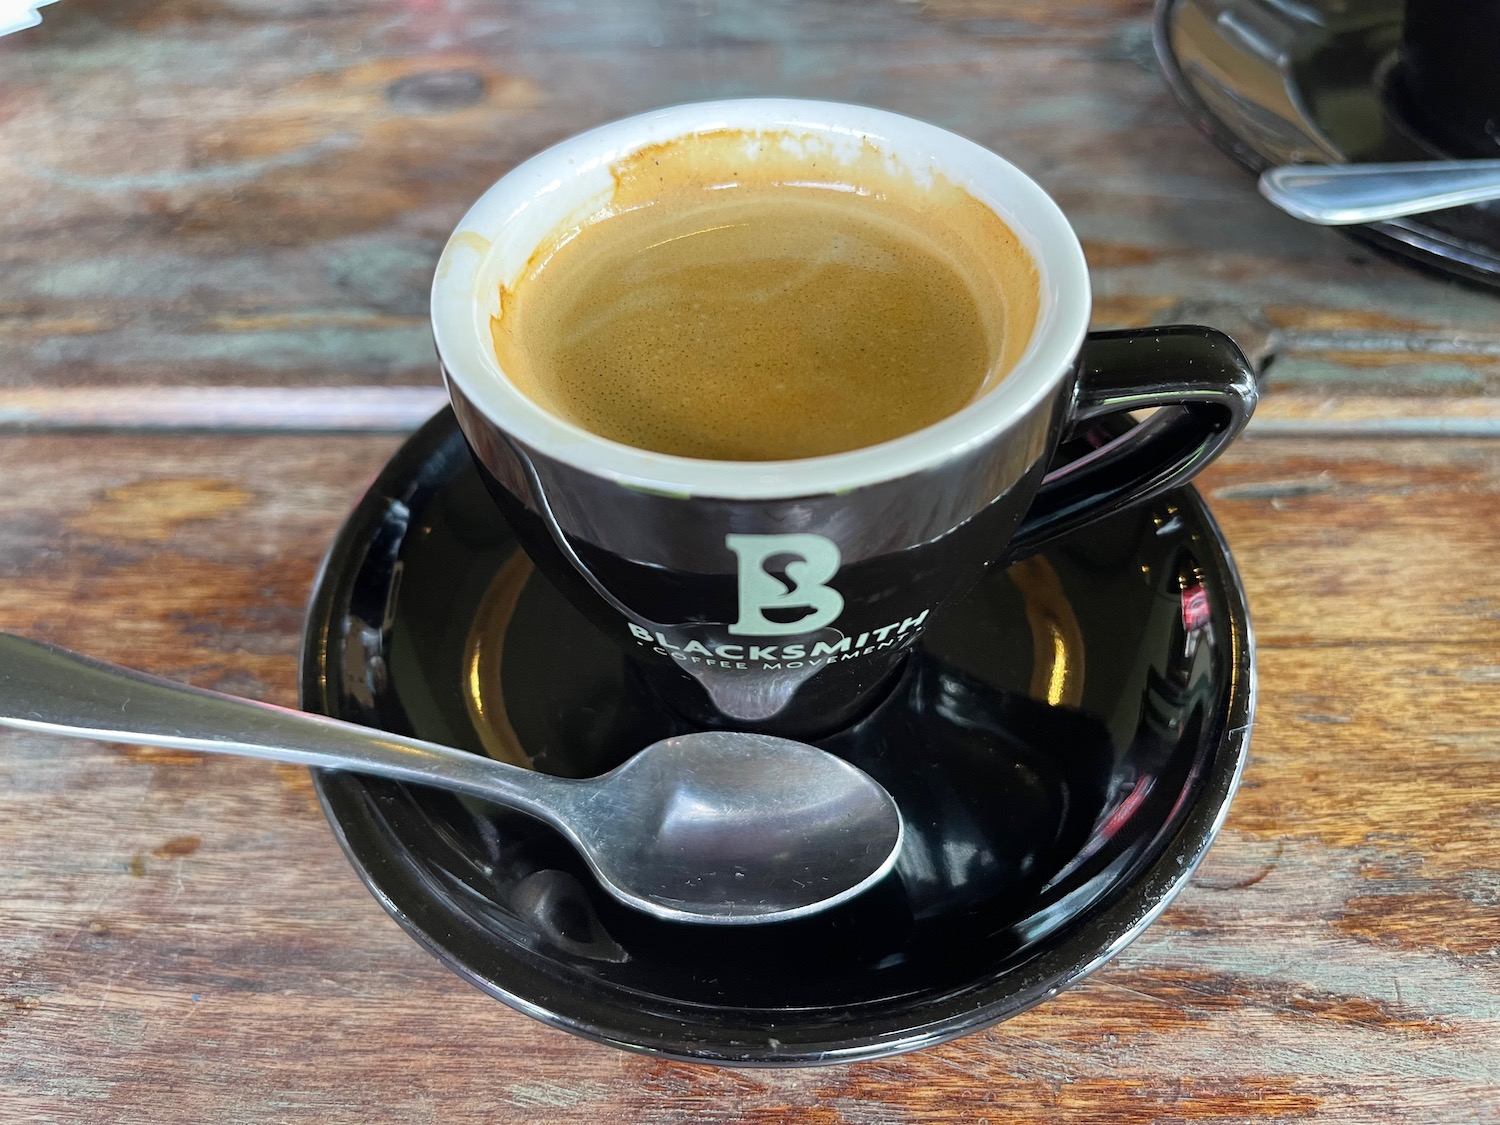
(766, 309)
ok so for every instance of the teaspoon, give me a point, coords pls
(1340, 194)
(714, 826)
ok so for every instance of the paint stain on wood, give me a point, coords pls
(137, 865)
(177, 846)
(1314, 318)
(158, 756)
(1195, 1099)
(150, 510)
(1129, 310)
(297, 779)
(1360, 1011)
(1108, 255)
(1241, 868)
(1275, 489)
(1197, 994)
(436, 91)
(1432, 920)
(1092, 1100)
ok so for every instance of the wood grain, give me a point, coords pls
(254, 192)
(183, 941)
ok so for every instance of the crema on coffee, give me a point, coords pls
(742, 298)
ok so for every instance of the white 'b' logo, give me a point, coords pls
(817, 561)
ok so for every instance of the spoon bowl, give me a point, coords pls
(715, 826)
(746, 827)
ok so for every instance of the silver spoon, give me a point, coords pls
(1340, 194)
(707, 827)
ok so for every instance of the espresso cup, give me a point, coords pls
(782, 595)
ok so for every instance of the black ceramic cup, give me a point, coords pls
(781, 596)
(1446, 81)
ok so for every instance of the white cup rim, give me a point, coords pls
(460, 325)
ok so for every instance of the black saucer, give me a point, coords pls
(1289, 83)
(1063, 746)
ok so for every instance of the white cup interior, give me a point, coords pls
(497, 238)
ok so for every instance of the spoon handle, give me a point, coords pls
(50, 689)
(1340, 194)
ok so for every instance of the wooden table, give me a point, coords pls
(217, 223)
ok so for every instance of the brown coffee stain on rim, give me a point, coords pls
(484, 652)
(1056, 639)
(469, 240)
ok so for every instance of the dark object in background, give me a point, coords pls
(1446, 82)
(1311, 83)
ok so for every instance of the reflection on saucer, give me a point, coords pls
(1056, 641)
(484, 655)
(1056, 646)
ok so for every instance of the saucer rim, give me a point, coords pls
(1090, 945)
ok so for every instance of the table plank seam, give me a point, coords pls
(400, 409)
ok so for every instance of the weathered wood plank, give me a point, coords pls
(192, 556)
(1361, 543)
(391, 409)
(1347, 542)
(254, 193)
(1286, 413)
(397, 409)
(183, 941)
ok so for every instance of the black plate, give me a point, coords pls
(1276, 83)
(1063, 746)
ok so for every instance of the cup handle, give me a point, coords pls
(1199, 371)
